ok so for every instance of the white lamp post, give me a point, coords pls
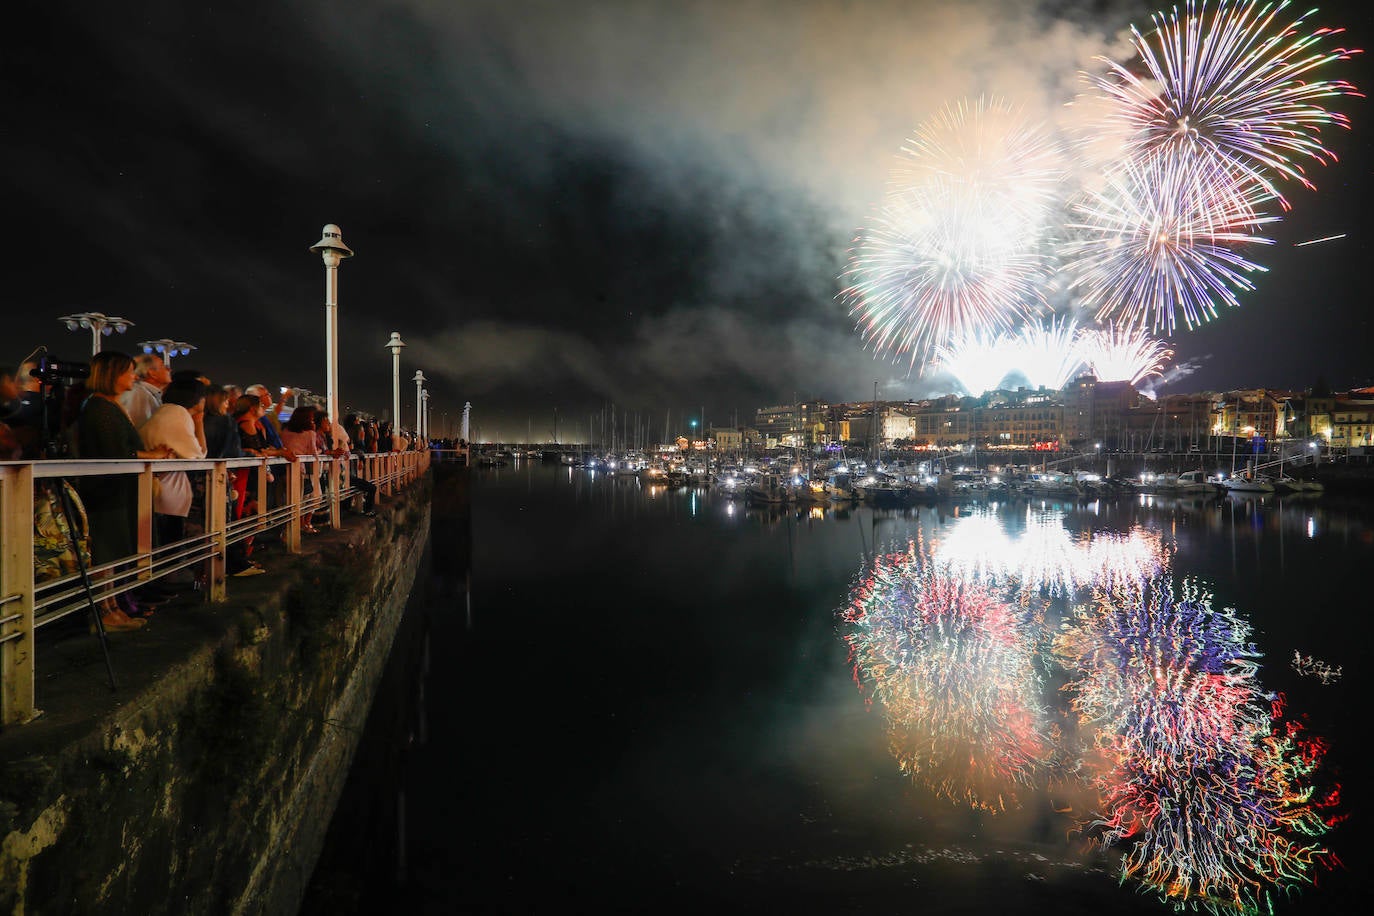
(167, 348)
(395, 345)
(424, 414)
(331, 250)
(419, 381)
(467, 414)
(98, 324)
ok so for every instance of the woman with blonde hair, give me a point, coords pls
(104, 430)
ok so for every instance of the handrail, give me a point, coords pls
(30, 605)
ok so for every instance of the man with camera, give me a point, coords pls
(37, 420)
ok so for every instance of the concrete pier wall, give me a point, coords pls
(206, 782)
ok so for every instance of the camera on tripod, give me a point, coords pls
(54, 371)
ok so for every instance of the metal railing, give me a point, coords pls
(27, 605)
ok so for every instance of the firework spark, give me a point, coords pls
(978, 362)
(1161, 238)
(1233, 85)
(957, 245)
(1120, 355)
(1047, 352)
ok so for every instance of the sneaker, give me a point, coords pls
(248, 571)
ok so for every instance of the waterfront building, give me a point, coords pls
(945, 422)
(1352, 420)
(1251, 413)
(727, 438)
(1095, 412)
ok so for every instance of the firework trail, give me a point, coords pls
(956, 247)
(952, 667)
(1161, 238)
(1046, 352)
(1231, 85)
(1115, 354)
(1209, 791)
(978, 361)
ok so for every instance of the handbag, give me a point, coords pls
(55, 549)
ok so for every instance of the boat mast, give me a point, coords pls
(874, 435)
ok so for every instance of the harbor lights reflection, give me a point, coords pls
(1183, 761)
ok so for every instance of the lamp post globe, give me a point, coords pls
(332, 251)
(395, 345)
(419, 381)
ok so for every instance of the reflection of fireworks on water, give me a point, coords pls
(1119, 355)
(977, 362)
(1229, 88)
(1193, 767)
(957, 246)
(952, 666)
(1045, 558)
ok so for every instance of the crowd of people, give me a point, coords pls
(137, 408)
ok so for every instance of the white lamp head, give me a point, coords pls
(331, 246)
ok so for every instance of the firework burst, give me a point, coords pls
(1121, 355)
(1047, 352)
(1164, 237)
(978, 361)
(956, 247)
(1233, 85)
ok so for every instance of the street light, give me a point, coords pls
(331, 250)
(419, 381)
(98, 324)
(167, 348)
(424, 426)
(395, 345)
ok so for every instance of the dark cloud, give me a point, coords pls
(645, 203)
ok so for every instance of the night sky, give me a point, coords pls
(560, 205)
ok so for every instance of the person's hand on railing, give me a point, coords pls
(284, 453)
(161, 451)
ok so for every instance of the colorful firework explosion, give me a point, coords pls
(956, 248)
(1232, 86)
(1159, 241)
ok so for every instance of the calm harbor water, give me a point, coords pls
(614, 697)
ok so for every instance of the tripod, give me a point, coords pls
(69, 513)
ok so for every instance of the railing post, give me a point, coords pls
(145, 523)
(264, 468)
(216, 525)
(293, 499)
(16, 595)
(335, 504)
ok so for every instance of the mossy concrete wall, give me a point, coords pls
(206, 783)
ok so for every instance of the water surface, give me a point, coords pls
(626, 698)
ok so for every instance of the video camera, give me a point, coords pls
(54, 371)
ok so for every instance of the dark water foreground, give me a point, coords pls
(610, 698)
